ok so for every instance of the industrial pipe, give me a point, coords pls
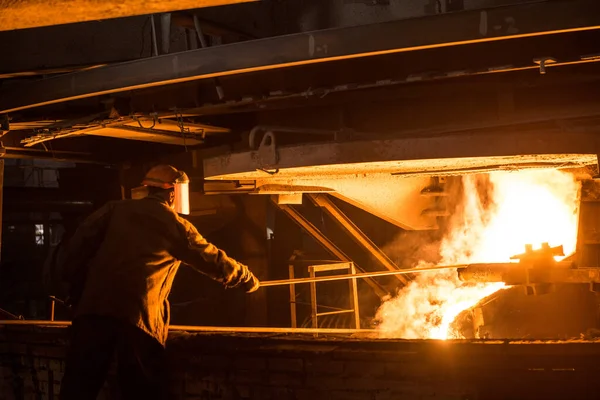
(487, 273)
(518, 274)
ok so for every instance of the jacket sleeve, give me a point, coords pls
(207, 259)
(83, 245)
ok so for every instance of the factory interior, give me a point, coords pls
(415, 183)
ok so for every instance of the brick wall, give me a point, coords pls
(229, 367)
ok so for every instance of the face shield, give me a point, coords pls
(181, 203)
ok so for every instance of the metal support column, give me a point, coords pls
(52, 308)
(326, 243)
(154, 39)
(165, 26)
(588, 235)
(204, 45)
(1, 201)
(314, 308)
(356, 234)
(293, 298)
(353, 285)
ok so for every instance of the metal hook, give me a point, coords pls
(543, 62)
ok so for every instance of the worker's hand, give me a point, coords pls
(252, 285)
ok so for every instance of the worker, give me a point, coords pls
(120, 266)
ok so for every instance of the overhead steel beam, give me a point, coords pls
(55, 155)
(469, 27)
(356, 234)
(412, 155)
(316, 234)
(22, 14)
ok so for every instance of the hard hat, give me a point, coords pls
(167, 177)
(164, 177)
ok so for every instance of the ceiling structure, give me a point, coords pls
(448, 82)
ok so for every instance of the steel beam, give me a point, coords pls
(357, 235)
(408, 155)
(326, 243)
(469, 27)
(22, 14)
(62, 156)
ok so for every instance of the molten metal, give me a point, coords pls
(500, 214)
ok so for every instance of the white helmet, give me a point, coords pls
(167, 177)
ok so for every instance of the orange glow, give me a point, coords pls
(526, 207)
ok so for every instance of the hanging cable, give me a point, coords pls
(182, 128)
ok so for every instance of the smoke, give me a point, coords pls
(496, 215)
(428, 305)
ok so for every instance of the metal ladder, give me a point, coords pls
(315, 314)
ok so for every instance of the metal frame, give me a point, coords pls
(463, 28)
(314, 306)
(326, 243)
(357, 235)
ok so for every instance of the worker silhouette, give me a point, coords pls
(119, 266)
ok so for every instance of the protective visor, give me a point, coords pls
(181, 204)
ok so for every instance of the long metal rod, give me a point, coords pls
(335, 312)
(234, 329)
(361, 276)
(221, 329)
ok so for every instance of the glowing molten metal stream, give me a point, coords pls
(497, 218)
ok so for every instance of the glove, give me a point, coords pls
(251, 285)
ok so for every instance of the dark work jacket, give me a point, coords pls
(122, 260)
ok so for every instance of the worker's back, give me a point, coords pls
(119, 267)
(131, 273)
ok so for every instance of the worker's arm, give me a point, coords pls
(81, 247)
(213, 262)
